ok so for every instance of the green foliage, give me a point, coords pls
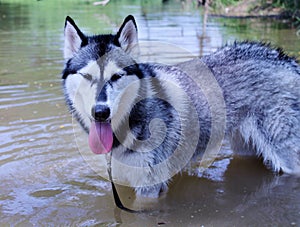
(288, 4)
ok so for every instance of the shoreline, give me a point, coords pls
(252, 9)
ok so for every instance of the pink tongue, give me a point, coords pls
(100, 137)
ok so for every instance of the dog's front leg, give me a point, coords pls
(153, 191)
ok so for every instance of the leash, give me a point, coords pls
(117, 199)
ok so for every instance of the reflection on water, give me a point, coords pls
(44, 179)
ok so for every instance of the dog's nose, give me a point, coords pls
(100, 112)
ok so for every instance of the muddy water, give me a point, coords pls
(45, 179)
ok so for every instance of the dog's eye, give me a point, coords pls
(87, 76)
(115, 77)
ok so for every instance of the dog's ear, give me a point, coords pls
(74, 38)
(127, 35)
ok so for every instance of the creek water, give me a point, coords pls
(45, 179)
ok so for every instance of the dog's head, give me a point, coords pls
(100, 79)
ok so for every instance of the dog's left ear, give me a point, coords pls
(127, 35)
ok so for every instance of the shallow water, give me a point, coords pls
(46, 179)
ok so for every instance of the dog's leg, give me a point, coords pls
(276, 137)
(152, 191)
(240, 146)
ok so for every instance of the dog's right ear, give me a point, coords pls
(74, 38)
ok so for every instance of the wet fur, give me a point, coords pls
(261, 88)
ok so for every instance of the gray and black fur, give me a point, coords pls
(260, 87)
(261, 90)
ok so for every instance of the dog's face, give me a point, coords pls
(100, 79)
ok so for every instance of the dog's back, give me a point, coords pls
(261, 88)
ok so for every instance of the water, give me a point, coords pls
(44, 177)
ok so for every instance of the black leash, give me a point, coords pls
(117, 199)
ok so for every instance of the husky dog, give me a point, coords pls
(115, 100)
